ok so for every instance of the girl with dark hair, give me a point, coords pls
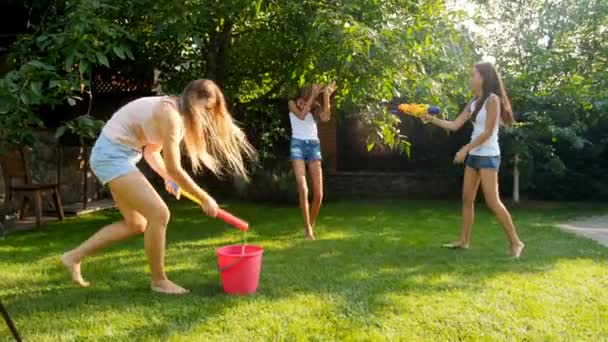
(304, 113)
(489, 109)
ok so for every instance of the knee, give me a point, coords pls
(318, 196)
(468, 199)
(303, 189)
(160, 215)
(494, 204)
(137, 226)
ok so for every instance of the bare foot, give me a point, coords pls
(456, 245)
(74, 269)
(168, 287)
(309, 234)
(516, 249)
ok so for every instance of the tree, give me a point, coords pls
(553, 55)
(53, 64)
(263, 50)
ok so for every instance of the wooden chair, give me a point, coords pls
(17, 179)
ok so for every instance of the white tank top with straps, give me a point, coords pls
(304, 129)
(490, 147)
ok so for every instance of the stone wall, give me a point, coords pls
(389, 185)
(48, 166)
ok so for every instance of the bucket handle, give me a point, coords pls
(232, 264)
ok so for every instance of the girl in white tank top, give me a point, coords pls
(489, 109)
(490, 147)
(305, 149)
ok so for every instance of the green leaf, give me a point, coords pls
(24, 99)
(36, 88)
(83, 67)
(71, 101)
(54, 84)
(370, 146)
(118, 51)
(41, 65)
(69, 62)
(60, 131)
(101, 58)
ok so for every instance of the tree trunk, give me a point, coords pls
(217, 52)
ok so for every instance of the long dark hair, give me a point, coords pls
(492, 84)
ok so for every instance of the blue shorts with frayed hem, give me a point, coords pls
(307, 150)
(482, 162)
(110, 159)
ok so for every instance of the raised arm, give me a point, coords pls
(293, 108)
(451, 125)
(325, 115)
(172, 158)
(301, 112)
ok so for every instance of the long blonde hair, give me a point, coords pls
(211, 137)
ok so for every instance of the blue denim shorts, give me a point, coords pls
(482, 162)
(110, 160)
(307, 150)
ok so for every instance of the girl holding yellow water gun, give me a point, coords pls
(489, 109)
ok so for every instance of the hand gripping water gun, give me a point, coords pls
(418, 109)
(221, 214)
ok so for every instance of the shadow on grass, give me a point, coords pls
(363, 255)
(378, 255)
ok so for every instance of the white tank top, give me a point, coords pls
(303, 129)
(490, 147)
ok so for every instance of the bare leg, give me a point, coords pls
(489, 184)
(134, 223)
(134, 193)
(316, 174)
(469, 194)
(299, 169)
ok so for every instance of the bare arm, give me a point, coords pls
(301, 112)
(451, 125)
(172, 160)
(155, 160)
(492, 108)
(325, 115)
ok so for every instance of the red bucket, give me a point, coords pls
(240, 268)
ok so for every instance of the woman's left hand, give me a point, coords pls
(460, 156)
(172, 188)
(330, 88)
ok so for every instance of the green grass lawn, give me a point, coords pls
(375, 273)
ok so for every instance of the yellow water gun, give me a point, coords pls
(418, 109)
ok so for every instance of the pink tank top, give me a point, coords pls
(135, 124)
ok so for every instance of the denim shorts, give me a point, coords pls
(482, 162)
(307, 150)
(110, 159)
